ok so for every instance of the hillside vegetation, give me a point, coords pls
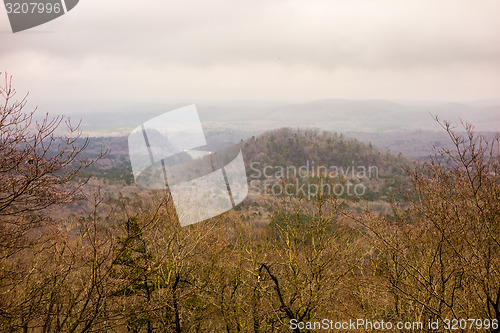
(104, 256)
(284, 152)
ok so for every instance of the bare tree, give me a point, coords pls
(38, 168)
(34, 160)
(441, 258)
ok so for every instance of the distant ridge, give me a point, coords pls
(337, 115)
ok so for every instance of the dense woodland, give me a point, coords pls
(100, 255)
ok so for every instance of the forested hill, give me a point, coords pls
(281, 147)
(297, 147)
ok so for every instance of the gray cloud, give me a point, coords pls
(262, 49)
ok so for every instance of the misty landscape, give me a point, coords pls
(266, 166)
(364, 228)
(401, 128)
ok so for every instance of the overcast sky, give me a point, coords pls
(127, 51)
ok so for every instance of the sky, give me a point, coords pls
(122, 51)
